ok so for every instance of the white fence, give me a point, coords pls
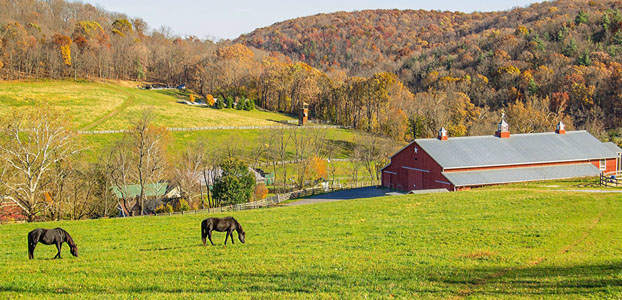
(206, 128)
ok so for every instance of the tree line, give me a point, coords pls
(550, 61)
(45, 169)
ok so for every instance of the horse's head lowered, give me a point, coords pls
(241, 235)
(74, 250)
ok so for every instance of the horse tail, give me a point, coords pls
(203, 231)
(31, 245)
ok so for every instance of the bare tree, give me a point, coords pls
(31, 144)
(74, 190)
(119, 172)
(149, 145)
(138, 157)
(307, 143)
(189, 169)
(372, 152)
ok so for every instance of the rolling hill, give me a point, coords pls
(113, 105)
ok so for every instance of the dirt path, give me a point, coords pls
(366, 192)
(485, 280)
(114, 112)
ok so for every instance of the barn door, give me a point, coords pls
(415, 180)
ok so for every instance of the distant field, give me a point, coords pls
(477, 244)
(103, 106)
(244, 140)
(111, 105)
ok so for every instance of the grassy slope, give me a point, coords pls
(481, 244)
(102, 106)
(245, 140)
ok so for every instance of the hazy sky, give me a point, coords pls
(229, 18)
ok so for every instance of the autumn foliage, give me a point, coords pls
(399, 73)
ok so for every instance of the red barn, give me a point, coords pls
(465, 162)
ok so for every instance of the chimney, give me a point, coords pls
(442, 134)
(503, 130)
(561, 128)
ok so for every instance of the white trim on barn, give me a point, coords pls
(415, 169)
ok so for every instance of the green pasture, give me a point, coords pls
(242, 141)
(481, 244)
(109, 106)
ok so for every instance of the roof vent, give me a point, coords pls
(561, 128)
(442, 134)
(503, 130)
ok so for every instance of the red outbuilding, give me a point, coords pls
(465, 162)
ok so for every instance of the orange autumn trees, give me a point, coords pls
(63, 42)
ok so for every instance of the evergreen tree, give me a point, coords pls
(235, 185)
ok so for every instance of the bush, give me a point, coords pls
(261, 191)
(209, 99)
(250, 105)
(182, 205)
(229, 102)
(241, 104)
(162, 209)
(220, 104)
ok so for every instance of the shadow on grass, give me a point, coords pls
(541, 280)
(537, 281)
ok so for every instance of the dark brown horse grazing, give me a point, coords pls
(56, 236)
(228, 224)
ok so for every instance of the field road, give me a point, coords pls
(366, 192)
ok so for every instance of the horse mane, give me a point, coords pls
(237, 224)
(69, 239)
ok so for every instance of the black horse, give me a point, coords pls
(228, 224)
(56, 236)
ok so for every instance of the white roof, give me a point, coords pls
(518, 149)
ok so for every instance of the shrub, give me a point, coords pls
(220, 104)
(250, 105)
(182, 205)
(162, 208)
(209, 99)
(229, 102)
(241, 104)
(261, 191)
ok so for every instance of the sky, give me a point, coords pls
(227, 19)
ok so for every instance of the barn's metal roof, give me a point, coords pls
(530, 148)
(613, 147)
(508, 175)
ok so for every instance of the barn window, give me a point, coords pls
(603, 165)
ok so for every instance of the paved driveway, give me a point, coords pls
(366, 192)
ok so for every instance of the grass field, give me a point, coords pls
(490, 243)
(243, 139)
(111, 105)
(107, 106)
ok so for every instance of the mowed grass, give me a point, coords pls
(111, 105)
(476, 244)
(244, 141)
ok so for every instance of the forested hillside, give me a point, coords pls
(546, 61)
(397, 73)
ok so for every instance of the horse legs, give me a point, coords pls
(232, 239)
(31, 250)
(209, 235)
(58, 246)
(226, 237)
